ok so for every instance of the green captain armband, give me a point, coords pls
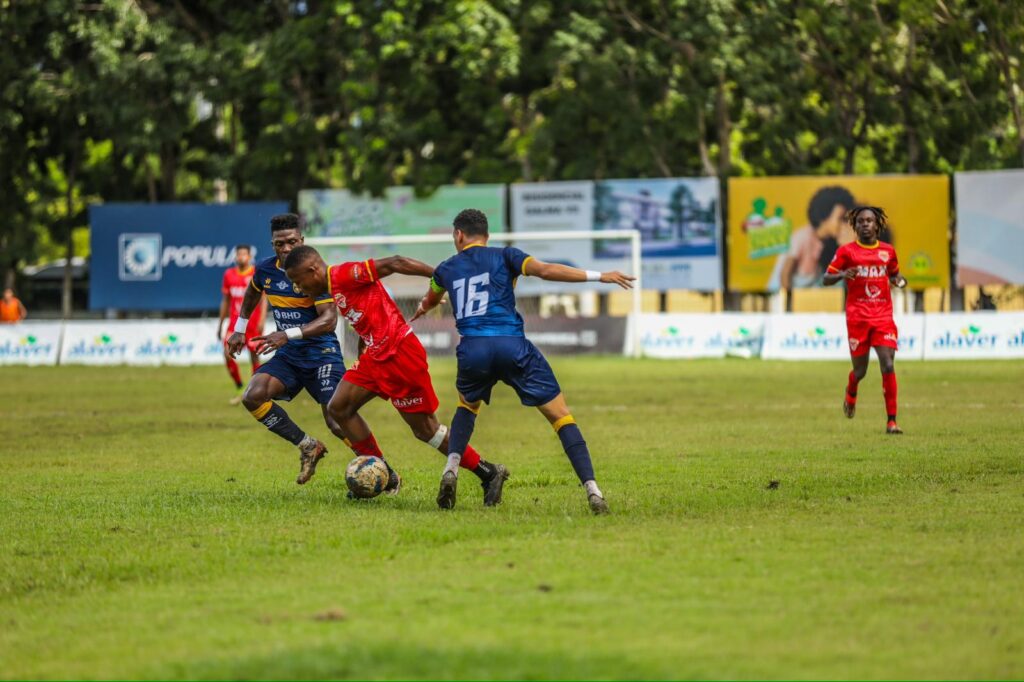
(435, 287)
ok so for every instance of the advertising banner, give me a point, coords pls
(553, 336)
(30, 343)
(144, 342)
(340, 213)
(170, 256)
(556, 207)
(981, 335)
(990, 227)
(822, 336)
(701, 335)
(784, 231)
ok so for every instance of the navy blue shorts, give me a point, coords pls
(486, 360)
(320, 381)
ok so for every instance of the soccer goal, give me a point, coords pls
(555, 312)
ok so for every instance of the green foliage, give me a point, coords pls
(159, 534)
(161, 101)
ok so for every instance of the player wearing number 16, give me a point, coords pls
(480, 281)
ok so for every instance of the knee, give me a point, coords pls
(340, 411)
(886, 366)
(254, 396)
(860, 372)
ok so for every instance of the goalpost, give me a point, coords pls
(632, 237)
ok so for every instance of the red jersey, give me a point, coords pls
(867, 295)
(363, 301)
(234, 285)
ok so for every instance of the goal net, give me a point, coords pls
(568, 318)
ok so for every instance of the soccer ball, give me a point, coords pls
(366, 476)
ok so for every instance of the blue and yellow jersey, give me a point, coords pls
(481, 283)
(291, 308)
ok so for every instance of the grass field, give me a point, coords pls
(149, 530)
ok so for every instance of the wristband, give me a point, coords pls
(293, 333)
(593, 276)
(241, 324)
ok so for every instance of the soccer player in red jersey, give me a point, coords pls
(393, 365)
(869, 267)
(233, 287)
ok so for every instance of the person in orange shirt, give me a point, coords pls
(11, 309)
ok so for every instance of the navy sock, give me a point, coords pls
(277, 420)
(462, 428)
(576, 449)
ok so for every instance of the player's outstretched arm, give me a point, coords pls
(555, 272)
(249, 302)
(402, 266)
(430, 300)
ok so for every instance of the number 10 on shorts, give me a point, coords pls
(470, 296)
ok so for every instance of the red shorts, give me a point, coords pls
(402, 378)
(866, 334)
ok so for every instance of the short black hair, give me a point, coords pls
(243, 247)
(825, 200)
(881, 220)
(299, 256)
(472, 222)
(285, 221)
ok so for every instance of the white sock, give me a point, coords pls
(592, 488)
(306, 442)
(453, 463)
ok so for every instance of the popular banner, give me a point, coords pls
(678, 220)
(972, 336)
(340, 213)
(30, 343)
(822, 336)
(784, 231)
(170, 256)
(701, 335)
(990, 227)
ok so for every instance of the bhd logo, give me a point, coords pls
(140, 257)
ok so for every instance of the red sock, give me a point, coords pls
(851, 389)
(368, 447)
(470, 458)
(233, 371)
(889, 391)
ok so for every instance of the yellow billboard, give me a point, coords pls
(783, 231)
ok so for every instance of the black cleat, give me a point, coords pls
(494, 485)
(308, 459)
(849, 409)
(394, 482)
(446, 493)
(597, 504)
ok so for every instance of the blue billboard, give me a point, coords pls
(171, 256)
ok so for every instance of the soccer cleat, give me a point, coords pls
(394, 482)
(308, 459)
(597, 504)
(494, 485)
(446, 493)
(892, 429)
(849, 409)
(237, 400)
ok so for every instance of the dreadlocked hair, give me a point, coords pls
(881, 220)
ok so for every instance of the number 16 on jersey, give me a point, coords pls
(471, 295)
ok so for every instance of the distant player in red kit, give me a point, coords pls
(869, 267)
(394, 364)
(233, 286)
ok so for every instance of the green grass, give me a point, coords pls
(148, 530)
